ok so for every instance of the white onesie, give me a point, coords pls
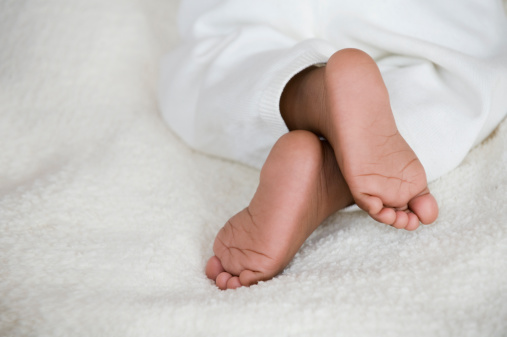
(444, 64)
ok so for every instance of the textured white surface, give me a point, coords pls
(107, 219)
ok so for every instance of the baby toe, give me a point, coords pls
(233, 283)
(425, 207)
(401, 220)
(222, 279)
(369, 203)
(413, 222)
(386, 216)
(214, 268)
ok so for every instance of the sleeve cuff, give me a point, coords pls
(301, 56)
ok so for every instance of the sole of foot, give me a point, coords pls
(300, 185)
(386, 178)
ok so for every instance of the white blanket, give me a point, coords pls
(107, 219)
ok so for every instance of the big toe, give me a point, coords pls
(425, 207)
(214, 268)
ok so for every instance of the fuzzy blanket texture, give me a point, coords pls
(107, 218)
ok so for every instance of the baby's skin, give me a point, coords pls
(364, 160)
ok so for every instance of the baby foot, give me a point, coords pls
(300, 185)
(383, 173)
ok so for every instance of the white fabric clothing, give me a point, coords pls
(444, 64)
